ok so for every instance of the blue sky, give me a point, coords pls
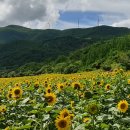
(88, 18)
(85, 18)
(64, 14)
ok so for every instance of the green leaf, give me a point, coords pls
(33, 112)
(80, 127)
(48, 108)
(116, 125)
(125, 120)
(103, 125)
(46, 117)
(23, 127)
(25, 100)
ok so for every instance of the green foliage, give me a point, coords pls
(71, 69)
(103, 55)
(25, 51)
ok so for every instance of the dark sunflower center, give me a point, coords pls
(62, 124)
(45, 82)
(10, 95)
(49, 99)
(93, 108)
(87, 120)
(36, 85)
(108, 87)
(17, 92)
(3, 110)
(98, 83)
(76, 86)
(49, 90)
(61, 87)
(66, 114)
(123, 106)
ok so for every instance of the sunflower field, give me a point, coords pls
(94, 100)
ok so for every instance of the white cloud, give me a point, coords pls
(110, 18)
(31, 13)
(45, 13)
(4, 11)
(118, 6)
(123, 23)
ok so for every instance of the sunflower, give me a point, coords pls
(10, 89)
(17, 92)
(9, 95)
(122, 106)
(100, 83)
(93, 108)
(36, 84)
(60, 86)
(67, 84)
(50, 98)
(76, 85)
(1, 90)
(49, 85)
(7, 128)
(71, 116)
(2, 108)
(63, 123)
(48, 89)
(27, 82)
(45, 83)
(65, 113)
(86, 119)
(107, 87)
(128, 81)
(17, 85)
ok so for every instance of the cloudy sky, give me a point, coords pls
(62, 14)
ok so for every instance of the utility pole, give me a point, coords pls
(98, 21)
(78, 22)
(49, 25)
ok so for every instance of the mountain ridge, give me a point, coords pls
(15, 32)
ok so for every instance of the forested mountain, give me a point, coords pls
(104, 55)
(25, 51)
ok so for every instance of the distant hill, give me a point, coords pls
(40, 51)
(14, 33)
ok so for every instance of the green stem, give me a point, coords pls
(93, 122)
